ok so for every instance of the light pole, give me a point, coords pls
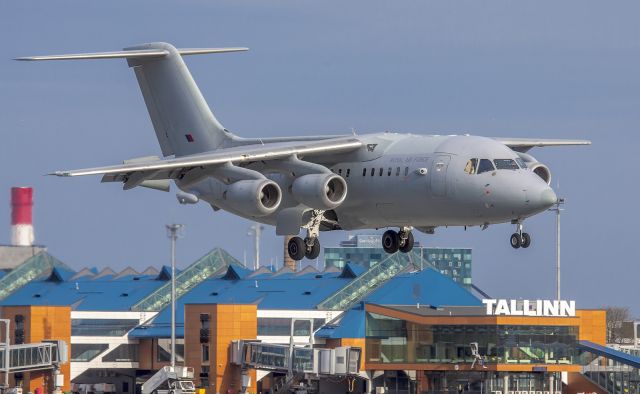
(256, 231)
(557, 208)
(173, 231)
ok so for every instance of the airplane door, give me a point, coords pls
(439, 175)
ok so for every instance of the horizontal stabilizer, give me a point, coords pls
(130, 54)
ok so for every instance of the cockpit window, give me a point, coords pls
(506, 164)
(470, 168)
(485, 166)
(521, 163)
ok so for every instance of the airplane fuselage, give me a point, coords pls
(417, 180)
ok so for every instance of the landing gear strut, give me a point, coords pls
(308, 247)
(402, 240)
(520, 239)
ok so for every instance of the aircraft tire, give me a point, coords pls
(515, 240)
(314, 252)
(526, 240)
(296, 248)
(390, 241)
(408, 244)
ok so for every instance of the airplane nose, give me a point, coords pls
(547, 198)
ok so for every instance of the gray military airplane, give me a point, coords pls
(322, 183)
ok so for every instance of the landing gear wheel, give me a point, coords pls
(526, 240)
(313, 251)
(296, 248)
(390, 241)
(515, 240)
(408, 243)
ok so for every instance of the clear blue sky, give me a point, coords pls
(520, 69)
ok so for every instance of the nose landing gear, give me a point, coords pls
(402, 240)
(520, 239)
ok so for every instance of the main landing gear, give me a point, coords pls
(308, 247)
(402, 240)
(520, 239)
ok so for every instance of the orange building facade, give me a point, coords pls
(33, 324)
(209, 329)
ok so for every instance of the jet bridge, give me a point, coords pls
(342, 361)
(31, 356)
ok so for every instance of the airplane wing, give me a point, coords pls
(136, 171)
(524, 144)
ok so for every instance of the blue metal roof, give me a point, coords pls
(277, 291)
(617, 355)
(351, 270)
(85, 294)
(350, 324)
(427, 287)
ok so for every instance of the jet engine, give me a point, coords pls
(253, 197)
(319, 191)
(538, 168)
(541, 170)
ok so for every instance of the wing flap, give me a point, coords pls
(172, 168)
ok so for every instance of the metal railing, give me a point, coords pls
(192, 276)
(371, 279)
(33, 268)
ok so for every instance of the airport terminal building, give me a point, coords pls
(409, 328)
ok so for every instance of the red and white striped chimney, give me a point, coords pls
(21, 216)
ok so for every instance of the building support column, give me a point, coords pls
(552, 381)
(505, 384)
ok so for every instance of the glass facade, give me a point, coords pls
(102, 327)
(127, 352)
(163, 350)
(87, 351)
(366, 250)
(611, 375)
(281, 326)
(391, 340)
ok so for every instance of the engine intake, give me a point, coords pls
(320, 191)
(253, 197)
(541, 170)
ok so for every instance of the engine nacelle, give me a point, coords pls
(253, 197)
(541, 170)
(319, 191)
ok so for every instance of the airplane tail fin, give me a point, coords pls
(183, 122)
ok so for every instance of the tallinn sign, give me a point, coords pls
(530, 308)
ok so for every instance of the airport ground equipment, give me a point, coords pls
(321, 183)
(173, 380)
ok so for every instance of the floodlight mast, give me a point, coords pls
(557, 208)
(174, 231)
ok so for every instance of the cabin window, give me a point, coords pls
(381, 171)
(406, 171)
(364, 171)
(506, 164)
(389, 172)
(348, 172)
(485, 165)
(470, 168)
(397, 171)
(340, 171)
(373, 171)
